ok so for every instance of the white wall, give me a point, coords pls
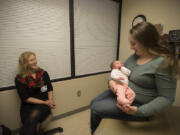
(165, 12)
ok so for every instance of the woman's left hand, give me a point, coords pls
(128, 109)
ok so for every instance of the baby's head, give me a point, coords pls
(116, 64)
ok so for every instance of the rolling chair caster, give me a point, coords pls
(54, 130)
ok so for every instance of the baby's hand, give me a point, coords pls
(122, 64)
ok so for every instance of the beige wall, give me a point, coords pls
(65, 96)
(165, 12)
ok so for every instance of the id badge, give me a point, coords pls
(44, 88)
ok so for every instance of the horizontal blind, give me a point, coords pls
(41, 26)
(96, 28)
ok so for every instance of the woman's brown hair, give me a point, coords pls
(147, 35)
(23, 66)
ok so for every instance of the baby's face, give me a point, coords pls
(117, 65)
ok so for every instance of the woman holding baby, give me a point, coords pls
(154, 71)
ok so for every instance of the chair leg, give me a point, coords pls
(54, 130)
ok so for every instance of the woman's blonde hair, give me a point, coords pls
(23, 66)
(147, 34)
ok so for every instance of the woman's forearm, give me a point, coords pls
(50, 95)
(112, 86)
(155, 106)
(35, 101)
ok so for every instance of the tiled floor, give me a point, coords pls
(163, 124)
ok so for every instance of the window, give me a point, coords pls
(39, 26)
(96, 34)
(43, 26)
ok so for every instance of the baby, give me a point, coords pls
(119, 73)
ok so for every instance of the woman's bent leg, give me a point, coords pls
(106, 108)
(95, 118)
(32, 120)
(104, 95)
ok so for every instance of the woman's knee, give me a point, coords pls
(43, 108)
(39, 112)
(96, 99)
(96, 107)
(34, 116)
(91, 104)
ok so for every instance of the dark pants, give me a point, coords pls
(104, 106)
(32, 115)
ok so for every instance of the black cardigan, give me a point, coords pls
(25, 92)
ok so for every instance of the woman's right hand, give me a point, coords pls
(128, 109)
(112, 86)
(50, 103)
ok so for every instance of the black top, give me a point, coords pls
(30, 87)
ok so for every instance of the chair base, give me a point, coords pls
(54, 130)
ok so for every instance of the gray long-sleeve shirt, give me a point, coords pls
(154, 88)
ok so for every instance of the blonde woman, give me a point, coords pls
(35, 91)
